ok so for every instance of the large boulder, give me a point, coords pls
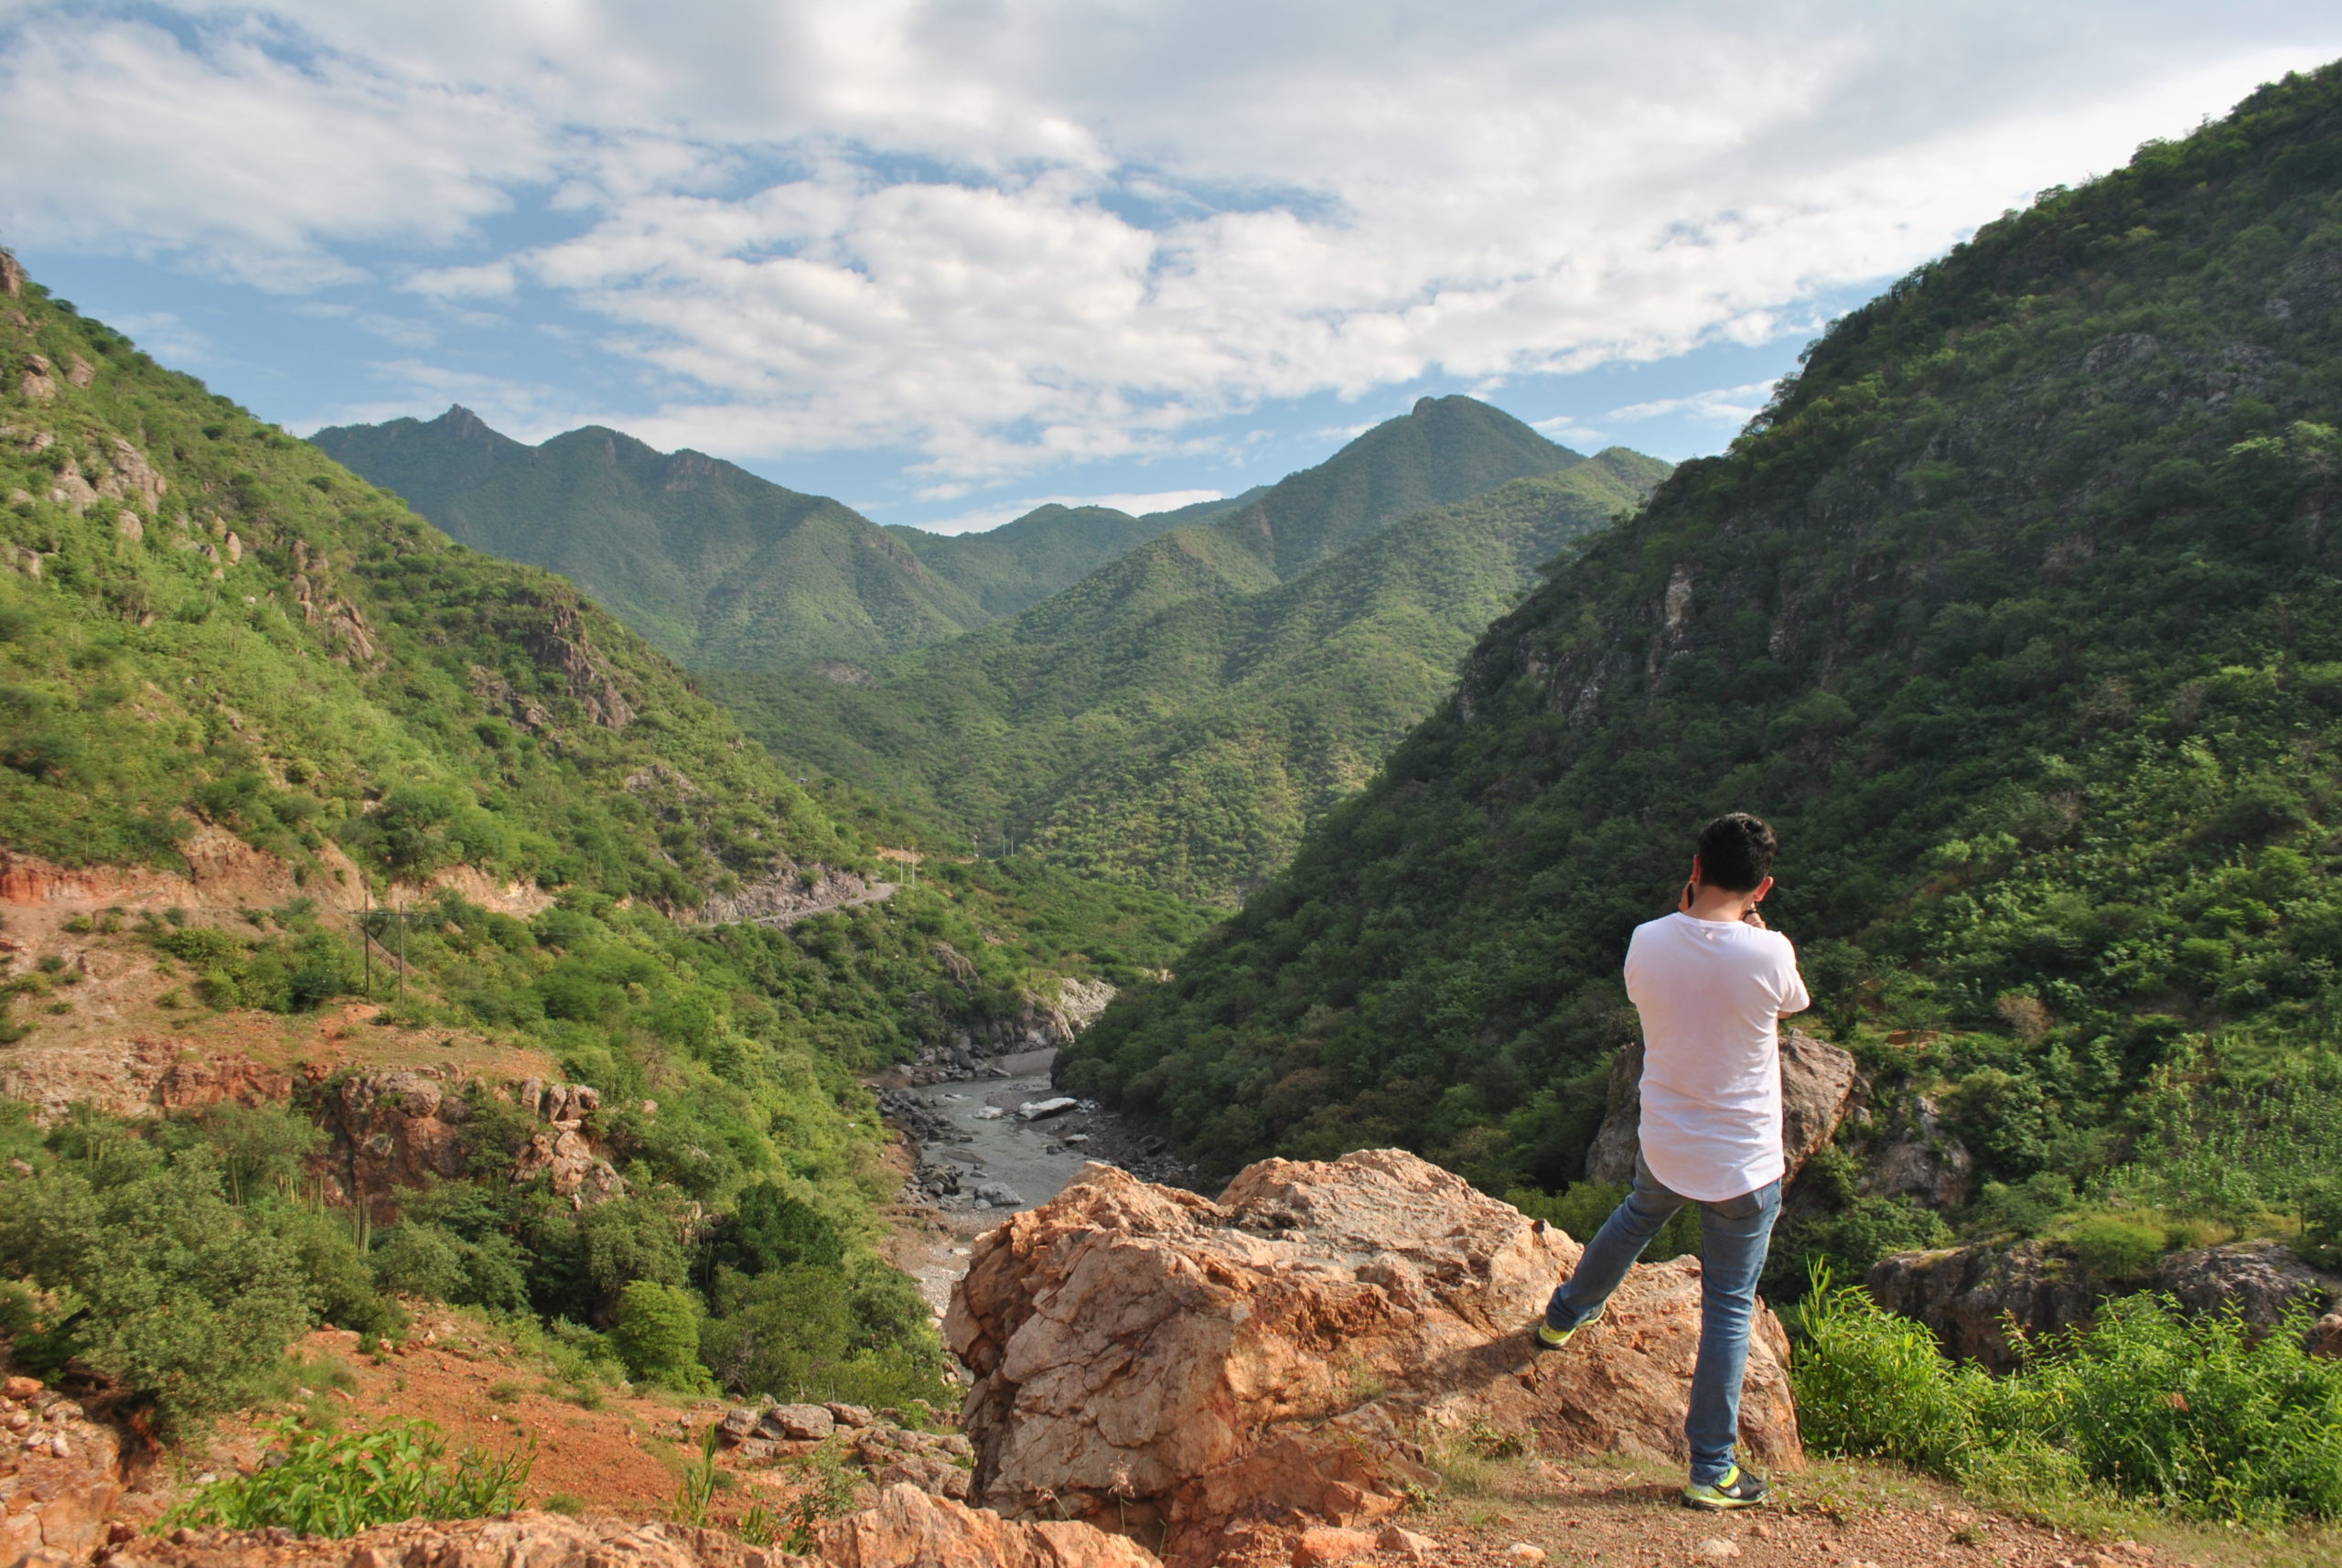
(1817, 1084)
(911, 1529)
(1970, 1295)
(1154, 1361)
(62, 1478)
(2261, 1282)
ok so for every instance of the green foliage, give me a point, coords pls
(657, 1334)
(2022, 631)
(317, 1484)
(861, 1334)
(168, 1287)
(1177, 718)
(713, 565)
(2195, 1414)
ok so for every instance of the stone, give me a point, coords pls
(1324, 1543)
(79, 370)
(1405, 1543)
(2325, 1338)
(1152, 1360)
(1521, 1551)
(1913, 1155)
(60, 1491)
(1817, 1084)
(910, 1528)
(1042, 1110)
(800, 1422)
(127, 525)
(853, 1416)
(35, 384)
(1000, 1195)
(991, 1113)
(1717, 1549)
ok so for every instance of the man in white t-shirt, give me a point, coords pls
(1712, 985)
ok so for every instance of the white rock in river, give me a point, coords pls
(1036, 1110)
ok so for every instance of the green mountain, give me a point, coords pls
(224, 656)
(1178, 716)
(2019, 611)
(1018, 564)
(716, 567)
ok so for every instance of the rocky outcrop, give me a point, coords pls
(906, 1528)
(2261, 1282)
(1151, 1360)
(793, 894)
(561, 647)
(1908, 1152)
(60, 1476)
(392, 1129)
(1970, 1295)
(1817, 1084)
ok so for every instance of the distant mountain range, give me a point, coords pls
(716, 567)
(1177, 716)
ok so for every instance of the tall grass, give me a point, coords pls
(2195, 1414)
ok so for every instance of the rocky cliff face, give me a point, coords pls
(1200, 1371)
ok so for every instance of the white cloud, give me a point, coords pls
(1729, 406)
(1031, 233)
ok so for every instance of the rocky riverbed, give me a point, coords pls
(987, 1145)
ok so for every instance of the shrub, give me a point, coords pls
(2194, 1414)
(180, 1297)
(2115, 1247)
(656, 1335)
(338, 1485)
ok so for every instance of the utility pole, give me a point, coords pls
(402, 953)
(366, 931)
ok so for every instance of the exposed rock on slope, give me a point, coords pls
(1817, 1085)
(1147, 1359)
(908, 1529)
(60, 1480)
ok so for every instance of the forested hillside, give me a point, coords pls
(234, 670)
(2020, 612)
(1178, 717)
(718, 568)
(1019, 564)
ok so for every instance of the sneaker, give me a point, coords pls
(1551, 1339)
(1737, 1489)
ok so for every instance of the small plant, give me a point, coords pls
(1490, 1444)
(338, 1485)
(568, 1503)
(172, 998)
(698, 1493)
(829, 1489)
(504, 1391)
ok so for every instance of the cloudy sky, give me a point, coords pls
(946, 260)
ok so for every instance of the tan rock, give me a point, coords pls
(1521, 1551)
(1150, 1360)
(1324, 1543)
(129, 527)
(35, 384)
(1405, 1543)
(79, 370)
(909, 1529)
(60, 1487)
(1717, 1549)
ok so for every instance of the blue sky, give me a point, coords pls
(948, 260)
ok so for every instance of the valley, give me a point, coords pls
(1089, 1043)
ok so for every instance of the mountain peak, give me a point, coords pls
(462, 423)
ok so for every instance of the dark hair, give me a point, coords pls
(1736, 851)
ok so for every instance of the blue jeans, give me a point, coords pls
(1734, 1235)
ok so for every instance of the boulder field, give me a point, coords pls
(1194, 1373)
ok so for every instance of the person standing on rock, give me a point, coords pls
(1712, 984)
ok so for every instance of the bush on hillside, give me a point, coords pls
(656, 1335)
(2193, 1413)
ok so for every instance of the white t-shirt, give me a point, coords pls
(1711, 993)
